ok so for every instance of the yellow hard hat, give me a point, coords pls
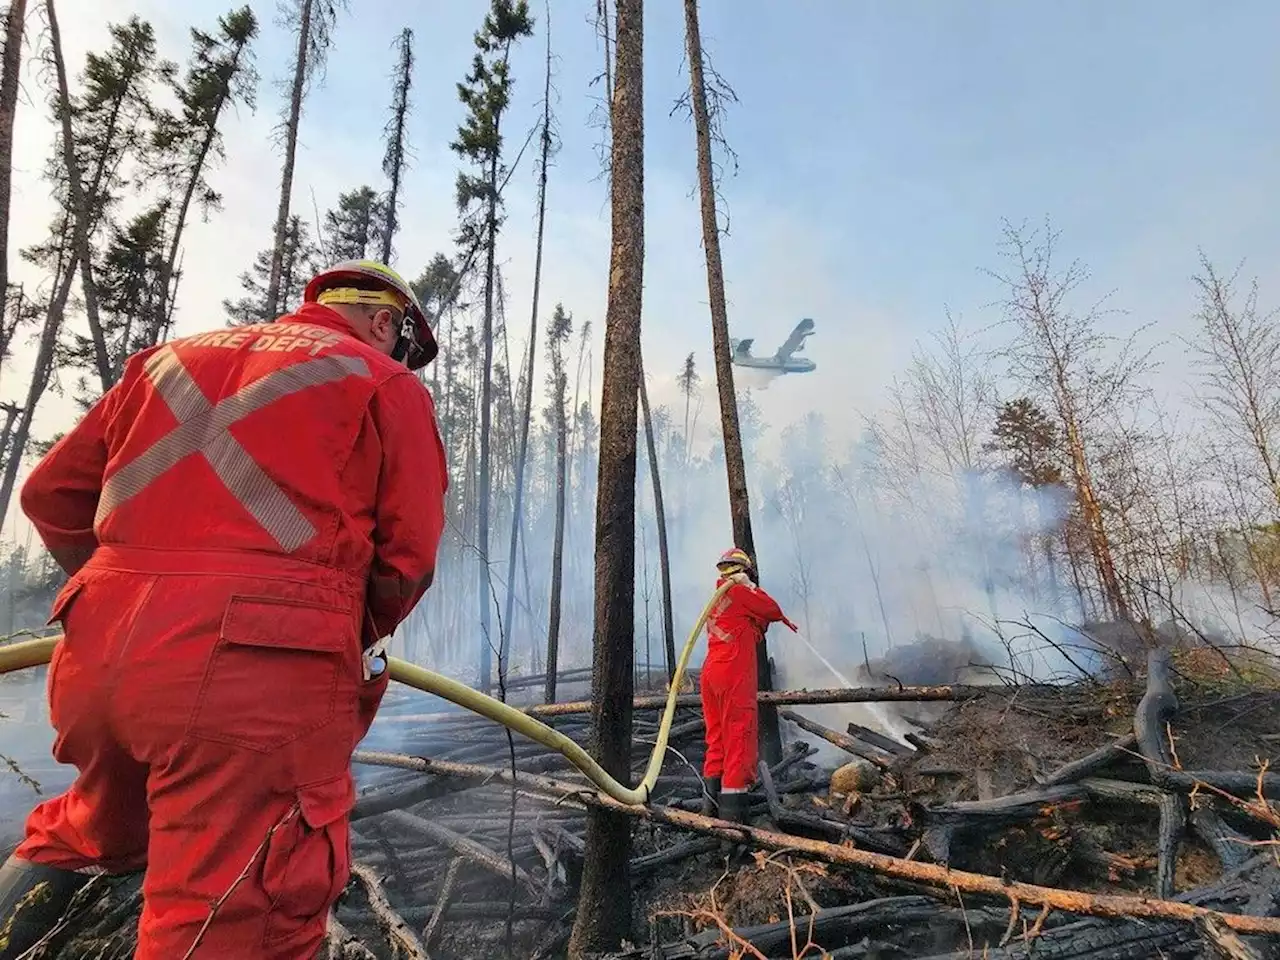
(733, 560)
(418, 345)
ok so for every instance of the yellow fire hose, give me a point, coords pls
(33, 653)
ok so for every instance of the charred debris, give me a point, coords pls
(1127, 816)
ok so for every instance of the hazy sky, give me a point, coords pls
(880, 143)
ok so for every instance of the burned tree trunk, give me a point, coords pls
(79, 201)
(15, 19)
(393, 162)
(1158, 704)
(739, 503)
(522, 451)
(604, 904)
(660, 518)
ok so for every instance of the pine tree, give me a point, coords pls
(1031, 440)
(131, 287)
(396, 157)
(547, 141)
(558, 334)
(219, 75)
(299, 262)
(313, 22)
(486, 93)
(356, 229)
(99, 130)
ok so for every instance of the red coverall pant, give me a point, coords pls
(212, 714)
(728, 684)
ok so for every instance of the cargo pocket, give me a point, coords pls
(273, 674)
(62, 602)
(307, 861)
(58, 614)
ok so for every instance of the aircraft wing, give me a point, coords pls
(803, 330)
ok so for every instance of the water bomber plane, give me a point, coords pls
(784, 360)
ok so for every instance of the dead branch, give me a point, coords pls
(397, 929)
(835, 738)
(1090, 763)
(436, 922)
(1102, 905)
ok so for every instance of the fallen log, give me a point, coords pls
(826, 927)
(793, 698)
(877, 739)
(672, 854)
(1102, 905)
(477, 853)
(1093, 939)
(835, 738)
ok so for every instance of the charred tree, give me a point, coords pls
(558, 383)
(735, 465)
(14, 24)
(546, 141)
(660, 518)
(315, 20)
(395, 159)
(486, 93)
(604, 904)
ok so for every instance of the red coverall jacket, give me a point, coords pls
(728, 683)
(238, 514)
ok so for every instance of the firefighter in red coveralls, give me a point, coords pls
(245, 517)
(735, 627)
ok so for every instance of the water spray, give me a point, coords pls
(891, 725)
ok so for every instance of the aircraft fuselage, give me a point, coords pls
(794, 365)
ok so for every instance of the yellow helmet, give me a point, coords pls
(731, 561)
(349, 282)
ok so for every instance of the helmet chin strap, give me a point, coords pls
(401, 350)
(405, 342)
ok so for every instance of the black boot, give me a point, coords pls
(733, 806)
(711, 797)
(20, 930)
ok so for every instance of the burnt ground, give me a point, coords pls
(1096, 834)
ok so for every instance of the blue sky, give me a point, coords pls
(880, 144)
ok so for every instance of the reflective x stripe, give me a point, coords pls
(715, 632)
(203, 428)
